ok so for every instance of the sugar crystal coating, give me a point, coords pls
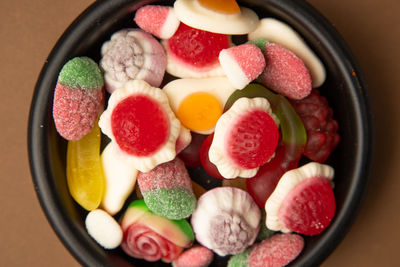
(278, 250)
(196, 256)
(239, 260)
(285, 73)
(167, 190)
(81, 72)
(75, 110)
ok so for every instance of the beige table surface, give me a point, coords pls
(28, 31)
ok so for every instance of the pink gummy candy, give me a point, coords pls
(168, 175)
(242, 64)
(285, 73)
(309, 207)
(278, 250)
(75, 110)
(157, 20)
(197, 256)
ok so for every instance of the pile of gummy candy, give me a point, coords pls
(174, 92)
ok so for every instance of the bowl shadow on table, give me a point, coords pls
(351, 159)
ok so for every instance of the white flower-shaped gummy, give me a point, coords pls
(226, 220)
(288, 181)
(137, 132)
(218, 153)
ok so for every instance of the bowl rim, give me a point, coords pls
(70, 234)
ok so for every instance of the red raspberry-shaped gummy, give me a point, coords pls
(322, 136)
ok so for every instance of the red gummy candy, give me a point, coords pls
(253, 139)
(261, 186)
(309, 207)
(208, 166)
(197, 48)
(75, 110)
(317, 117)
(278, 250)
(140, 125)
(191, 154)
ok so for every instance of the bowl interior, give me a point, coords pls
(344, 88)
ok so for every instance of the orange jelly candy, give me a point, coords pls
(222, 6)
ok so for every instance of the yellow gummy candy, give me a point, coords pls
(84, 170)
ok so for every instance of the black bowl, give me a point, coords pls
(345, 89)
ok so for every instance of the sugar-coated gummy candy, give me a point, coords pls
(167, 190)
(245, 138)
(78, 98)
(226, 220)
(278, 250)
(160, 21)
(303, 201)
(104, 229)
(85, 177)
(196, 256)
(281, 33)
(285, 73)
(293, 139)
(152, 237)
(140, 121)
(242, 64)
(240, 260)
(132, 54)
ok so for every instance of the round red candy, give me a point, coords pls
(140, 125)
(252, 139)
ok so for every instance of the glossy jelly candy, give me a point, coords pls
(245, 138)
(317, 117)
(289, 150)
(193, 53)
(85, 177)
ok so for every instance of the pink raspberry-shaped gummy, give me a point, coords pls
(317, 117)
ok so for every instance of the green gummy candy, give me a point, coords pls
(175, 203)
(82, 73)
(292, 128)
(183, 225)
(260, 43)
(239, 260)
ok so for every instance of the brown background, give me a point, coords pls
(28, 31)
